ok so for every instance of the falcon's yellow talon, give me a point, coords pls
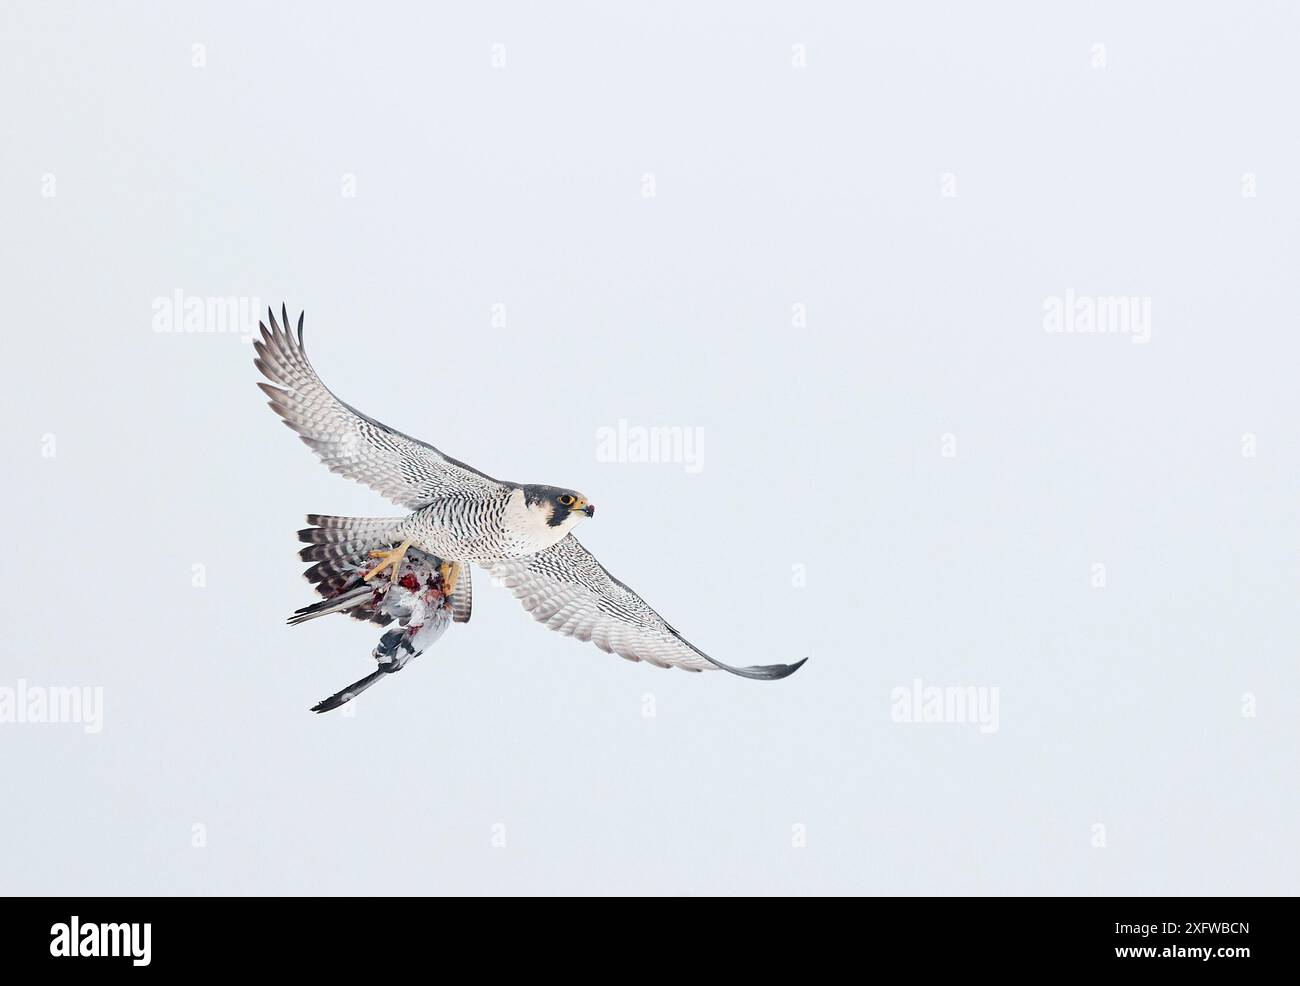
(450, 572)
(390, 558)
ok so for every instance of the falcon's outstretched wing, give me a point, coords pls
(568, 590)
(402, 468)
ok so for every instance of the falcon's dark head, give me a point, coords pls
(559, 507)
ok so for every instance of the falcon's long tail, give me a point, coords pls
(340, 546)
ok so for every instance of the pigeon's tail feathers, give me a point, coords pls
(345, 695)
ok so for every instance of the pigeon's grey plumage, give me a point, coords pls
(417, 596)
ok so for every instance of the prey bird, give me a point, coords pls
(419, 593)
(521, 534)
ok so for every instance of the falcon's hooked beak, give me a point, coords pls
(589, 510)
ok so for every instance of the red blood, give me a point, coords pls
(408, 582)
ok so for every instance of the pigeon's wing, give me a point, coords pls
(568, 590)
(402, 468)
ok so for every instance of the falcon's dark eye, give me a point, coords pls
(567, 500)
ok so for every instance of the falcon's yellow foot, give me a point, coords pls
(390, 558)
(450, 572)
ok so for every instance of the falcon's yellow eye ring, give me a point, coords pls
(567, 500)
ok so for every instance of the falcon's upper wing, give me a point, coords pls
(568, 590)
(404, 469)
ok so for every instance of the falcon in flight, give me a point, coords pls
(416, 568)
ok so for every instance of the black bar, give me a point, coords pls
(213, 935)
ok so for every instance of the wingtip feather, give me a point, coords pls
(763, 672)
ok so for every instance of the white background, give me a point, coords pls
(775, 186)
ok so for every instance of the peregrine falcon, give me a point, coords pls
(519, 533)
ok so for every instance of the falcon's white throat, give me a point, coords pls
(528, 525)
